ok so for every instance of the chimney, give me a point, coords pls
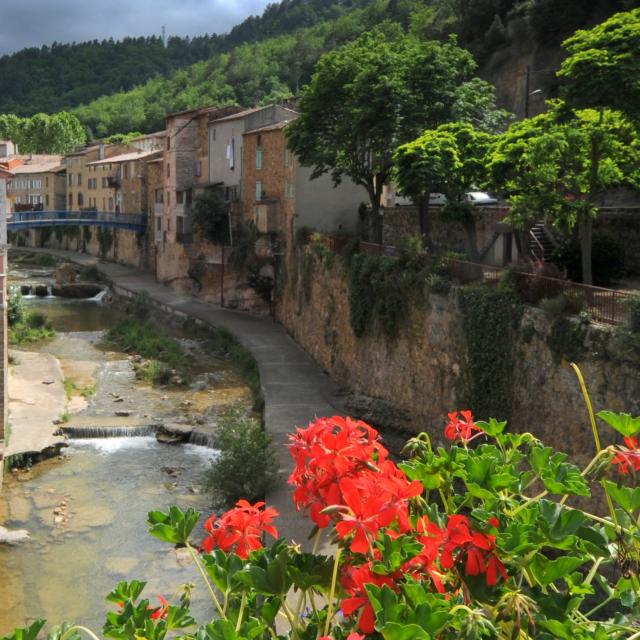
(101, 151)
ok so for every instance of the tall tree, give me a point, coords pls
(451, 159)
(560, 167)
(58, 133)
(603, 67)
(372, 95)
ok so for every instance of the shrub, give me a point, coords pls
(607, 259)
(15, 307)
(210, 217)
(36, 320)
(147, 339)
(245, 466)
(154, 372)
(632, 308)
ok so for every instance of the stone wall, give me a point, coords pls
(126, 247)
(410, 382)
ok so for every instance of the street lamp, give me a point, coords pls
(527, 87)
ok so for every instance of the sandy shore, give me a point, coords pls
(36, 399)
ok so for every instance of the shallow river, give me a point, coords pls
(86, 510)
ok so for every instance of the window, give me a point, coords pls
(168, 170)
(168, 198)
(104, 204)
(179, 197)
(125, 171)
(259, 158)
(80, 200)
(289, 190)
(287, 157)
(198, 169)
(258, 189)
(104, 183)
(159, 195)
(79, 179)
(158, 223)
(71, 201)
(70, 180)
(46, 181)
(110, 204)
(46, 201)
(168, 143)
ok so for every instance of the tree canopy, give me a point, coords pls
(58, 133)
(450, 159)
(560, 167)
(376, 93)
(603, 67)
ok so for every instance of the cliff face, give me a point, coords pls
(520, 46)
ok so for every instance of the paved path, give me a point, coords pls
(295, 389)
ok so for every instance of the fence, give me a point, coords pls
(604, 305)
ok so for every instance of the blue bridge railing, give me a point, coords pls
(38, 219)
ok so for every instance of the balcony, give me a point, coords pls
(113, 182)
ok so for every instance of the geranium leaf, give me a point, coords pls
(623, 423)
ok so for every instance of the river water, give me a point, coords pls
(86, 511)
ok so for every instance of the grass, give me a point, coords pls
(33, 327)
(148, 340)
(89, 391)
(70, 387)
(65, 417)
(154, 372)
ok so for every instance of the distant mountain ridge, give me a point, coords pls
(268, 58)
(62, 76)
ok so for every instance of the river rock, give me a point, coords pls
(168, 438)
(13, 537)
(77, 290)
(66, 274)
(123, 413)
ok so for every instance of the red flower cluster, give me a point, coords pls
(343, 474)
(240, 529)
(629, 457)
(461, 428)
(160, 613)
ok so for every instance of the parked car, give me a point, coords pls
(437, 199)
(480, 198)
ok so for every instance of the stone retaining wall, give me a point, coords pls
(411, 381)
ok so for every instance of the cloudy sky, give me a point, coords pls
(25, 23)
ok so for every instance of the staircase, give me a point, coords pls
(541, 242)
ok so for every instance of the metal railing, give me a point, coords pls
(34, 219)
(608, 306)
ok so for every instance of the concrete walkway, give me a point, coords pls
(294, 387)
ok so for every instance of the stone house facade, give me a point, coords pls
(38, 185)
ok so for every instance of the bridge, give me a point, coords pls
(39, 219)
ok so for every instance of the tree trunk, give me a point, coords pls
(471, 239)
(585, 233)
(424, 219)
(375, 196)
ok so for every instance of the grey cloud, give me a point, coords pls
(28, 23)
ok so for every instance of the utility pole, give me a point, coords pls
(527, 89)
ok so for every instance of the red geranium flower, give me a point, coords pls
(240, 529)
(461, 428)
(629, 457)
(160, 613)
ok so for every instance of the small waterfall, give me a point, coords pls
(49, 292)
(202, 439)
(79, 433)
(99, 296)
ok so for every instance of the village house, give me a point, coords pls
(280, 196)
(38, 186)
(118, 183)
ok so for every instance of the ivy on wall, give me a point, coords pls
(105, 240)
(491, 321)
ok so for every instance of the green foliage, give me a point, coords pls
(490, 320)
(148, 339)
(558, 166)
(210, 217)
(632, 308)
(382, 289)
(154, 373)
(58, 133)
(122, 138)
(567, 339)
(105, 240)
(245, 463)
(91, 274)
(607, 258)
(25, 326)
(603, 65)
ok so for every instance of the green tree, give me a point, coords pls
(559, 167)
(42, 133)
(376, 93)
(450, 159)
(603, 67)
(210, 217)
